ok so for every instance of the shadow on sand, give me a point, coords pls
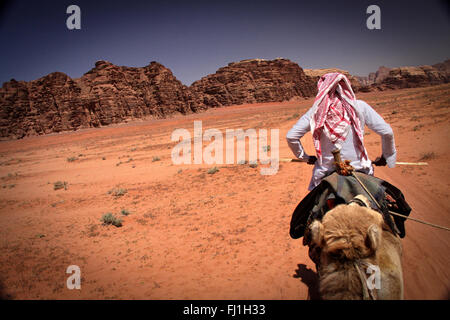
(3, 294)
(310, 278)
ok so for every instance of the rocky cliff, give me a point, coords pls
(313, 76)
(406, 77)
(110, 94)
(443, 67)
(411, 77)
(252, 81)
(49, 104)
(106, 94)
(374, 77)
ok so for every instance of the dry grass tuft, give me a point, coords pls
(427, 156)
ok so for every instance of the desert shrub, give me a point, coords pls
(10, 176)
(156, 158)
(125, 212)
(117, 192)
(141, 221)
(72, 159)
(149, 215)
(213, 170)
(109, 218)
(60, 185)
(427, 156)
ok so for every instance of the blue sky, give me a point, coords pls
(195, 38)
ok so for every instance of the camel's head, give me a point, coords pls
(348, 232)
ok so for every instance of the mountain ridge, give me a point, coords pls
(109, 94)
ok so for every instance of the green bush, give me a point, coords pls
(427, 156)
(60, 185)
(117, 192)
(125, 212)
(109, 218)
(213, 170)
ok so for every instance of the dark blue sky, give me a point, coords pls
(194, 38)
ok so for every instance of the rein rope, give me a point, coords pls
(345, 169)
(367, 293)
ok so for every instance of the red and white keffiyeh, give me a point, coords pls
(334, 113)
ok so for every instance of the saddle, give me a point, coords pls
(338, 189)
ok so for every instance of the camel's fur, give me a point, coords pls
(351, 233)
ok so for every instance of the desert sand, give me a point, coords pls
(194, 235)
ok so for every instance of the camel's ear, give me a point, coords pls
(316, 228)
(373, 236)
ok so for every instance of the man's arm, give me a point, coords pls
(297, 131)
(376, 123)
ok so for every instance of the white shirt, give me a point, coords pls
(367, 116)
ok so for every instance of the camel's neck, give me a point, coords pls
(340, 281)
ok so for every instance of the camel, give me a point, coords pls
(350, 238)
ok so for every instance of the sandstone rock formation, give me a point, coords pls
(115, 93)
(406, 77)
(313, 76)
(381, 74)
(106, 94)
(45, 105)
(252, 81)
(411, 77)
(374, 77)
(110, 94)
(443, 67)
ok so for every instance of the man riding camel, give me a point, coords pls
(336, 121)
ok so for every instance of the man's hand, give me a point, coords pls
(312, 159)
(380, 161)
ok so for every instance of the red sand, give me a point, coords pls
(193, 235)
